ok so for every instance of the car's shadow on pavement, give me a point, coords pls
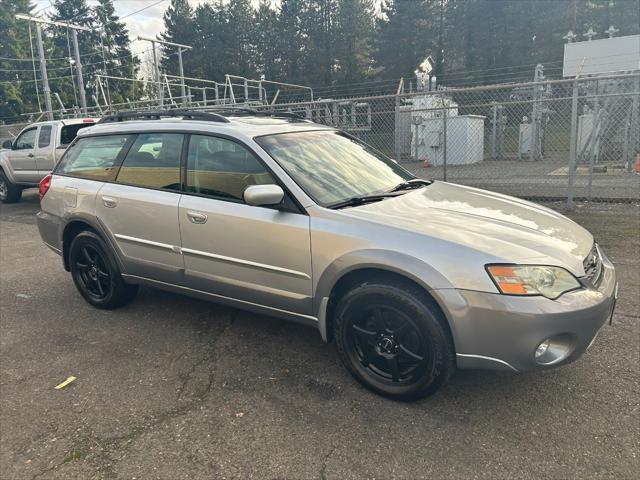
(294, 357)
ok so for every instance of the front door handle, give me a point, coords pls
(109, 202)
(196, 217)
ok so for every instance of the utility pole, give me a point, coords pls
(83, 95)
(43, 64)
(43, 72)
(156, 70)
(182, 90)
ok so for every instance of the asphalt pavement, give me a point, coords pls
(175, 388)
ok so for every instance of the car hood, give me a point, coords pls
(508, 229)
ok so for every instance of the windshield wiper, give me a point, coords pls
(411, 184)
(361, 200)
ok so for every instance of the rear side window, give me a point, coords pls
(153, 161)
(222, 168)
(70, 132)
(44, 138)
(93, 157)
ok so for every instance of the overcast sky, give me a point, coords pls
(147, 22)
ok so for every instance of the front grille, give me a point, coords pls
(593, 266)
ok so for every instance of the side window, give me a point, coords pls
(222, 168)
(93, 157)
(153, 161)
(69, 132)
(44, 138)
(26, 140)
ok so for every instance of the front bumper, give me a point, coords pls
(502, 332)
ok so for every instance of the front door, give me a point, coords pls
(22, 157)
(257, 255)
(140, 209)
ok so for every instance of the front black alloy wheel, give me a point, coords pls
(388, 344)
(96, 274)
(393, 339)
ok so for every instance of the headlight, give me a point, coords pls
(532, 280)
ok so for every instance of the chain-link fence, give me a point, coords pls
(563, 139)
(551, 140)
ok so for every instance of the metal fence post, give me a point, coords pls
(494, 130)
(444, 145)
(396, 133)
(573, 147)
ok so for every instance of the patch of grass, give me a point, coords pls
(74, 456)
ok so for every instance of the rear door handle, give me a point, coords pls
(109, 202)
(196, 217)
(31, 155)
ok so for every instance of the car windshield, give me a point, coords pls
(332, 167)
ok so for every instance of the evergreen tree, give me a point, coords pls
(239, 51)
(117, 53)
(62, 77)
(320, 27)
(407, 33)
(210, 32)
(293, 42)
(355, 32)
(17, 88)
(266, 38)
(178, 28)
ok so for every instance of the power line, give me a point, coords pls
(142, 9)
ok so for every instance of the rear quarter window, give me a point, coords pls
(44, 137)
(70, 132)
(93, 157)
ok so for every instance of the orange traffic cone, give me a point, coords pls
(425, 164)
(636, 166)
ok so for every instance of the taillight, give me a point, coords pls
(45, 183)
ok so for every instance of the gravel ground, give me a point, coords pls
(174, 388)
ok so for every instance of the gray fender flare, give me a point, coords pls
(95, 224)
(6, 168)
(392, 261)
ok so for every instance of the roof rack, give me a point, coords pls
(260, 113)
(157, 115)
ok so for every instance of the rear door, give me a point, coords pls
(44, 150)
(140, 207)
(22, 157)
(257, 255)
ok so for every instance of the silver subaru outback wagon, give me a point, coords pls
(281, 216)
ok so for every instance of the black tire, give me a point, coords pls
(96, 274)
(9, 192)
(394, 340)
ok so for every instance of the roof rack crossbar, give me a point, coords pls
(157, 115)
(260, 113)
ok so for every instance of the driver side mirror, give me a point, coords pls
(263, 195)
(8, 144)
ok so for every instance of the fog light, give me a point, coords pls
(542, 348)
(554, 349)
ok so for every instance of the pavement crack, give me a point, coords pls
(325, 459)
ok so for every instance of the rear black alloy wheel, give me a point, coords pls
(394, 340)
(95, 272)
